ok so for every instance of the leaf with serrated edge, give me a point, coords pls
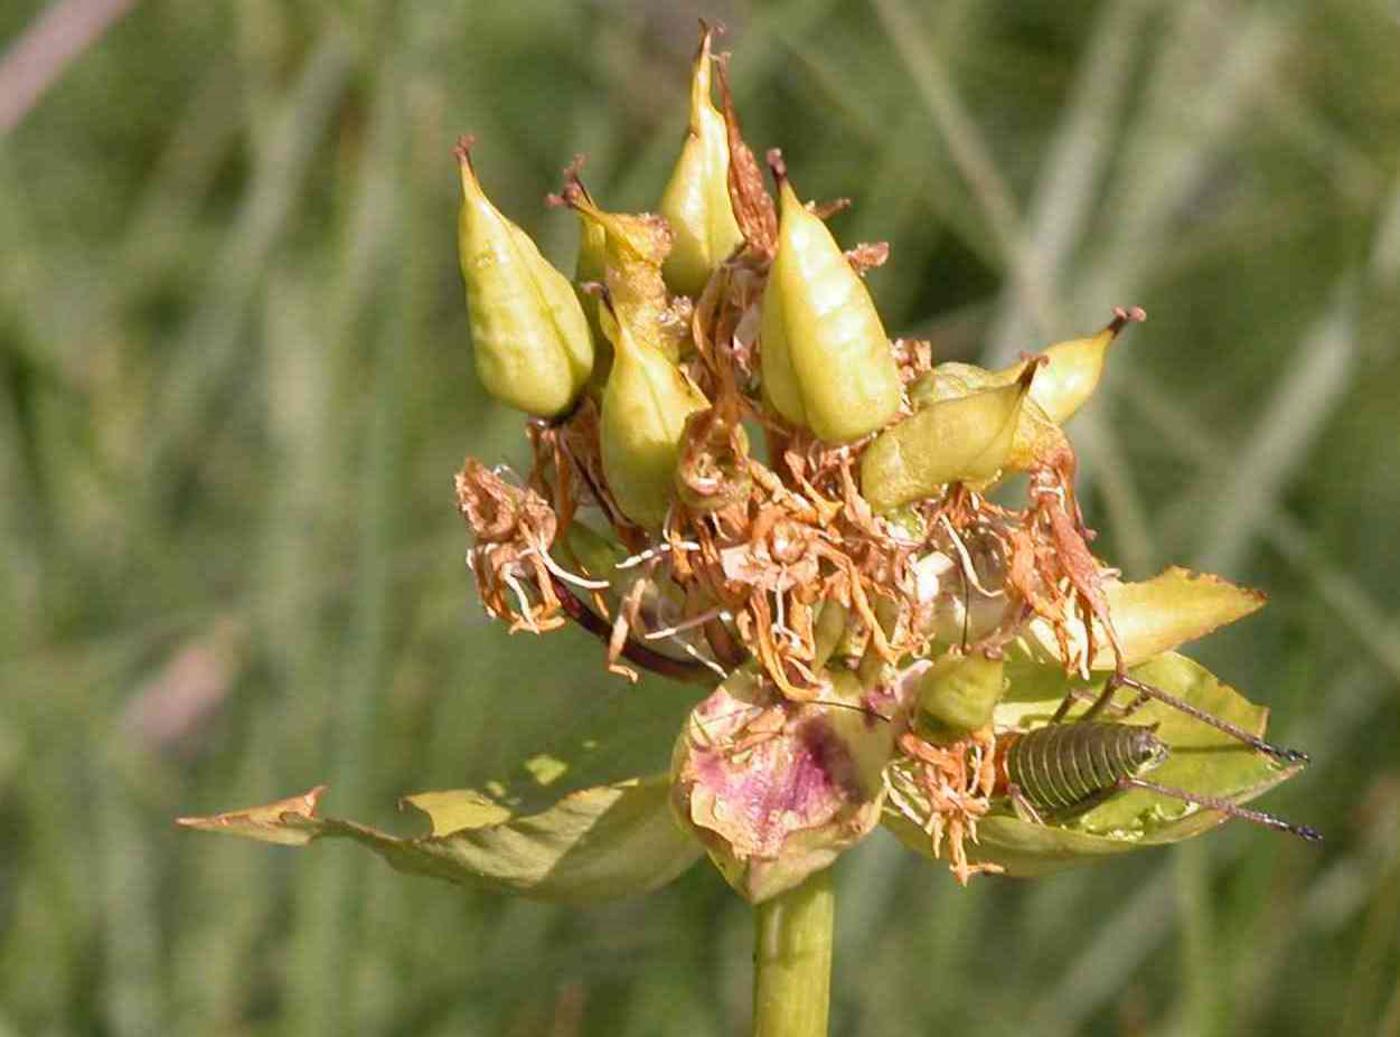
(1159, 615)
(593, 844)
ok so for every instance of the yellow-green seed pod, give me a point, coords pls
(1038, 440)
(589, 269)
(530, 338)
(829, 631)
(966, 439)
(624, 252)
(959, 693)
(826, 359)
(696, 200)
(1074, 369)
(645, 406)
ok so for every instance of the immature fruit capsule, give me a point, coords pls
(826, 359)
(625, 251)
(530, 338)
(591, 268)
(959, 693)
(966, 439)
(1074, 368)
(696, 201)
(645, 406)
(1038, 440)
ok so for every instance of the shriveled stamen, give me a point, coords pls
(688, 624)
(558, 570)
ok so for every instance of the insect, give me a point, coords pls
(1061, 771)
(957, 768)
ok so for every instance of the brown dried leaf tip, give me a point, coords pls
(753, 205)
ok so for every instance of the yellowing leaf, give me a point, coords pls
(458, 809)
(1159, 615)
(595, 843)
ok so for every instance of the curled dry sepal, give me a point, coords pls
(740, 482)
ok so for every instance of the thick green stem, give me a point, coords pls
(792, 960)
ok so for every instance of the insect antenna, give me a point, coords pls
(1151, 691)
(1258, 817)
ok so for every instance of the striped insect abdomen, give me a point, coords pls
(1069, 767)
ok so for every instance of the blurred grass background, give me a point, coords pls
(235, 382)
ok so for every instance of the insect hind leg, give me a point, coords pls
(1224, 806)
(1151, 691)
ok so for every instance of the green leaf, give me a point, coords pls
(596, 843)
(1159, 615)
(1203, 760)
(594, 736)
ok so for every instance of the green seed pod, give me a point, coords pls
(530, 338)
(966, 439)
(826, 358)
(1074, 369)
(959, 693)
(1038, 440)
(696, 201)
(645, 406)
(624, 252)
(831, 625)
(591, 268)
(589, 552)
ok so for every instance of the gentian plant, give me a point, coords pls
(740, 482)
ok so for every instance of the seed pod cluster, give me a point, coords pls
(735, 313)
(752, 486)
(738, 481)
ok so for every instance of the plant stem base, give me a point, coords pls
(792, 960)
